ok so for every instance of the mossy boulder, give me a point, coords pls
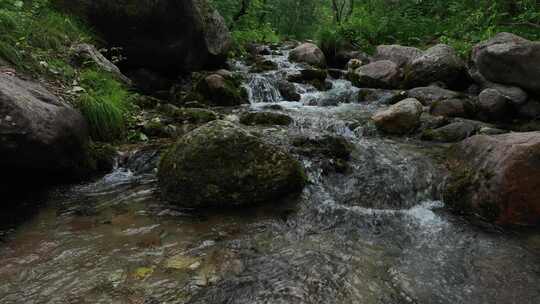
(222, 165)
(265, 119)
(219, 90)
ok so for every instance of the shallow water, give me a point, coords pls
(375, 234)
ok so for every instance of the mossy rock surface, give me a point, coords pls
(265, 119)
(217, 90)
(222, 165)
(195, 115)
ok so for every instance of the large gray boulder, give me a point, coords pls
(509, 59)
(308, 53)
(400, 118)
(221, 165)
(383, 74)
(400, 55)
(439, 63)
(168, 36)
(39, 133)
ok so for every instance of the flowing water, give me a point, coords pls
(377, 233)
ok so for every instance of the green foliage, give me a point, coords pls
(421, 23)
(106, 105)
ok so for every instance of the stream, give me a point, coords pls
(378, 233)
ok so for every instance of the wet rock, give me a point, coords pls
(39, 133)
(85, 53)
(492, 105)
(383, 74)
(428, 121)
(509, 59)
(159, 128)
(143, 160)
(315, 77)
(328, 146)
(453, 108)
(265, 119)
(354, 64)
(257, 49)
(336, 73)
(245, 170)
(491, 131)
(166, 43)
(400, 118)
(381, 95)
(453, 132)
(400, 55)
(308, 53)
(497, 177)
(428, 95)
(438, 63)
(264, 65)
(217, 90)
(194, 115)
(102, 157)
(288, 90)
(530, 110)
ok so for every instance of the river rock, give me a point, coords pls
(452, 132)
(383, 74)
(381, 96)
(243, 170)
(497, 177)
(454, 107)
(428, 95)
(288, 90)
(217, 90)
(400, 55)
(265, 119)
(39, 133)
(85, 53)
(492, 105)
(400, 118)
(509, 59)
(162, 35)
(439, 63)
(332, 152)
(515, 95)
(308, 53)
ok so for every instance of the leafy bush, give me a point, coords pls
(106, 105)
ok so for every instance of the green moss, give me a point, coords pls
(195, 115)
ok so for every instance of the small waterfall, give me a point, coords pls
(262, 88)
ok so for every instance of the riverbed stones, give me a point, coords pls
(383, 74)
(223, 165)
(454, 107)
(265, 119)
(401, 118)
(509, 59)
(452, 132)
(430, 94)
(288, 90)
(39, 133)
(439, 63)
(152, 35)
(492, 105)
(497, 177)
(308, 53)
(400, 55)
